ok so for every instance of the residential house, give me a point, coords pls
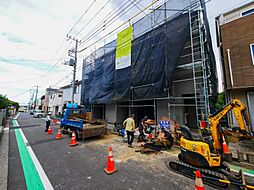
(235, 39)
(67, 93)
(55, 102)
(45, 104)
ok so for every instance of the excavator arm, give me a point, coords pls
(240, 113)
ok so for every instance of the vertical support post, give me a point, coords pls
(74, 71)
(36, 92)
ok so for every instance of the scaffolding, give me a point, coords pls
(197, 69)
(192, 68)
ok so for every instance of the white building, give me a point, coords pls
(67, 93)
(55, 102)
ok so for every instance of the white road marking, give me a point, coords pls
(45, 181)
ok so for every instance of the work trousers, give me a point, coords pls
(47, 126)
(130, 137)
(141, 136)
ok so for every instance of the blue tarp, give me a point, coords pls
(150, 73)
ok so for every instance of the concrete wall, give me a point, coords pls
(180, 89)
(162, 109)
(122, 114)
(2, 115)
(110, 114)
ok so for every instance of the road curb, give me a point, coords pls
(4, 155)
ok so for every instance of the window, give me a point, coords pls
(248, 12)
(252, 53)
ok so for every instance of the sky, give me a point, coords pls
(33, 43)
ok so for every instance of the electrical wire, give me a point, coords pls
(126, 22)
(29, 60)
(97, 13)
(24, 92)
(110, 22)
(81, 17)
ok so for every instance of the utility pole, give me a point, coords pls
(73, 54)
(36, 92)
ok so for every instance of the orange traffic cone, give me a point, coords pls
(198, 181)
(59, 135)
(110, 165)
(73, 139)
(225, 146)
(49, 131)
(226, 151)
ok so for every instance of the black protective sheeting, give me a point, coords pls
(86, 87)
(122, 84)
(107, 80)
(211, 66)
(99, 83)
(151, 70)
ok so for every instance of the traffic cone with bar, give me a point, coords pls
(226, 151)
(198, 181)
(110, 165)
(49, 131)
(73, 139)
(59, 134)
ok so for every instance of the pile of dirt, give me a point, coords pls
(122, 153)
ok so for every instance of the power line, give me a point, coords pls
(81, 16)
(19, 80)
(92, 18)
(119, 26)
(108, 23)
(24, 92)
(11, 60)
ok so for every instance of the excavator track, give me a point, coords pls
(188, 171)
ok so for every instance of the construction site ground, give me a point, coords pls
(82, 166)
(147, 169)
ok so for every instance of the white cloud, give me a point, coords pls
(35, 29)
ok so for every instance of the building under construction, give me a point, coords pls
(172, 70)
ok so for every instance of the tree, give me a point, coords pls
(5, 102)
(220, 101)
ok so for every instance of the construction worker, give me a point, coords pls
(141, 128)
(129, 125)
(47, 122)
(165, 138)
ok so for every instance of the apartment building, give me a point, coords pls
(235, 39)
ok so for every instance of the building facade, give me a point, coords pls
(48, 103)
(55, 102)
(235, 39)
(171, 72)
(67, 93)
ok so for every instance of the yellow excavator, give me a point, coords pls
(205, 152)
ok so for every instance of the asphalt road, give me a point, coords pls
(82, 166)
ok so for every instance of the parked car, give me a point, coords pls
(38, 113)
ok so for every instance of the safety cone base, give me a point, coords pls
(109, 172)
(74, 144)
(58, 138)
